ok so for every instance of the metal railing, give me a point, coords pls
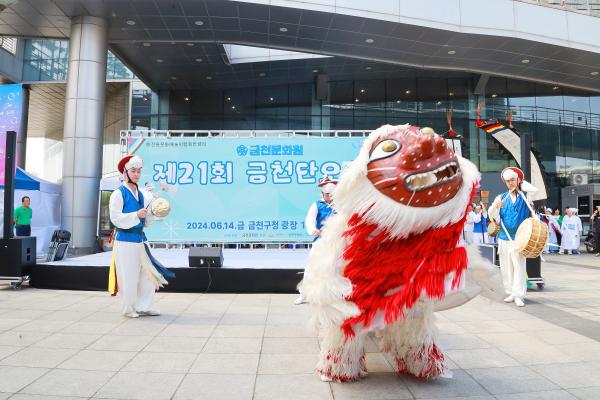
(589, 7)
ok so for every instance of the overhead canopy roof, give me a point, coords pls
(164, 39)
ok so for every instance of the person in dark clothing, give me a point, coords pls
(596, 228)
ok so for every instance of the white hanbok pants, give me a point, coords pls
(513, 269)
(135, 288)
(468, 237)
(479, 238)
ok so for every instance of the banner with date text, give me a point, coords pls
(238, 189)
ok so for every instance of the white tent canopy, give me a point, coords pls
(45, 203)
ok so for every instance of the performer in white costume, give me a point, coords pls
(480, 222)
(553, 229)
(318, 212)
(571, 230)
(511, 209)
(138, 274)
(469, 225)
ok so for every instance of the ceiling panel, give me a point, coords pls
(207, 23)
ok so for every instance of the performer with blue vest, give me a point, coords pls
(318, 212)
(511, 209)
(134, 272)
(480, 223)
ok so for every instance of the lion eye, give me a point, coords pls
(385, 149)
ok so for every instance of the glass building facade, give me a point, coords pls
(47, 60)
(564, 124)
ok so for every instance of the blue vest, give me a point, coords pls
(134, 234)
(512, 215)
(324, 210)
(481, 226)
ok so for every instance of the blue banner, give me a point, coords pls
(239, 189)
(11, 106)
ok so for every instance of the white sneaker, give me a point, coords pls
(325, 378)
(519, 302)
(509, 299)
(131, 315)
(149, 313)
(300, 300)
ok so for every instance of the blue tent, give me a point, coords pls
(24, 181)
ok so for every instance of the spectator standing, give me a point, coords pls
(571, 230)
(22, 217)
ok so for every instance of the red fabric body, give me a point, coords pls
(391, 274)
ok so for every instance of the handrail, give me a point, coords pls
(588, 7)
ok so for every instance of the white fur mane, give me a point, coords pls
(324, 284)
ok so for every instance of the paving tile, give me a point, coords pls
(287, 364)
(161, 362)
(140, 326)
(376, 362)
(64, 382)
(589, 393)
(97, 328)
(571, 375)
(207, 363)
(44, 326)
(98, 360)
(545, 395)
(187, 330)
(462, 342)
(375, 386)
(176, 344)
(215, 386)
(233, 345)
(18, 338)
(560, 336)
(511, 380)
(6, 324)
(461, 384)
(486, 327)
(290, 346)
(6, 351)
(588, 351)
(38, 357)
(239, 331)
(291, 387)
(289, 331)
(481, 358)
(43, 397)
(67, 341)
(13, 379)
(121, 343)
(141, 386)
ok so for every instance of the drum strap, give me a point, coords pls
(528, 206)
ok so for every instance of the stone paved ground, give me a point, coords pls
(70, 345)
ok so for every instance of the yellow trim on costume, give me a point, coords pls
(112, 272)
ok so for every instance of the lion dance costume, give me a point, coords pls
(392, 255)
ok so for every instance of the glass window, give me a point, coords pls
(402, 106)
(496, 98)
(301, 100)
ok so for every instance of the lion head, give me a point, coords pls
(406, 179)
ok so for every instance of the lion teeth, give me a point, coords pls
(429, 178)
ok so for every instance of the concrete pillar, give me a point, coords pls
(22, 136)
(84, 130)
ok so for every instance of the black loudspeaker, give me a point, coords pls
(534, 268)
(206, 257)
(17, 255)
(322, 87)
